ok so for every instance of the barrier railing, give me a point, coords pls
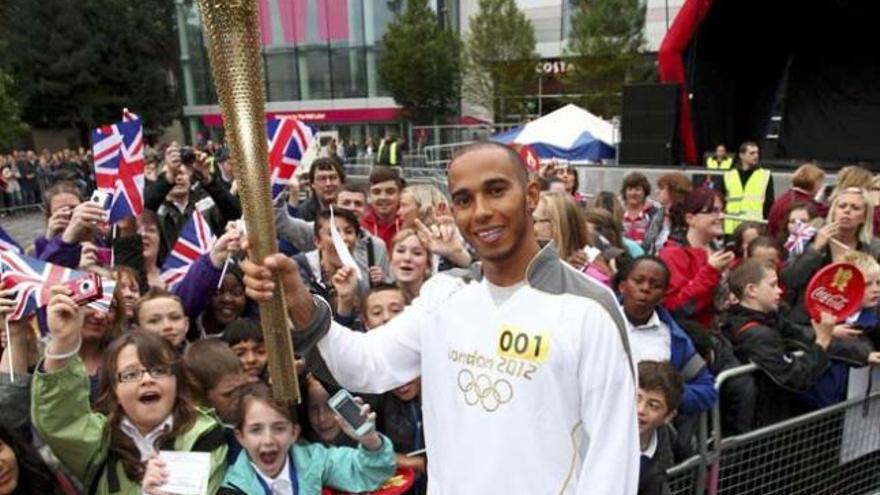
(801, 455)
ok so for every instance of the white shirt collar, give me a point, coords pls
(652, 446)
(854, 317)
(281, 484)
(146, 444)
(653, 323)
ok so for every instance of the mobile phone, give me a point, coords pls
(343, 403)
(103, 256)
(86, 289)
(102, 198)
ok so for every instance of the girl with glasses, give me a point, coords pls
(144, 406)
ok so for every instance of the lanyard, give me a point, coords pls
(415, 415)
(294, 481)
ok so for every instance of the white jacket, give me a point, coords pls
(534, 396)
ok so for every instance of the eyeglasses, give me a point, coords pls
(135, 375)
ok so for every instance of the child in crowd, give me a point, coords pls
(217, 375)
(217, 379)
(764, 249)
(144, 406)
(382, 303)
(22, 470)
(161, 313)
(245, 338)
(274, 462)
(659, 396)
(228, 304)
(656, 336)
(761, 336)
(399, 411)
(322, 426)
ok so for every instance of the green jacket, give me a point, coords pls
(79, 437)
(344, 468)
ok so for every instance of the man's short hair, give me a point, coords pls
(242, 330)
(808, 176)
(207, 361)
(381, 173)
(746, 145)
(323, 217)
(326, 163)
(509, 152)
(749, 272)
(660, 376)
(354, 188)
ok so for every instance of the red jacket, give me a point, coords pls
(781, 205)
(385, 231)
(692, 283)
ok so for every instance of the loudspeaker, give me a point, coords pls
(650, 122)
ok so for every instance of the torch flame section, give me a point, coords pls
(233, 35)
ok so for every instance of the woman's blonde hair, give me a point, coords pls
(864, 262)
(567, 219)
(852, 176)
(427, 198)
(866, 230)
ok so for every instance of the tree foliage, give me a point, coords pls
(11, 126)
(420, 66)
(499, 59)
(78, 63)
(605, 43)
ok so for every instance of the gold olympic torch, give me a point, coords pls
(234, 48)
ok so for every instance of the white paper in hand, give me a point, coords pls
(341, 247)
(188, 472)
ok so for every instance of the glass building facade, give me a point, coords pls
(320, 59)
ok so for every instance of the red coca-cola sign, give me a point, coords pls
(837, 289)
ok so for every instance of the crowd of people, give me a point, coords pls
(662, 287)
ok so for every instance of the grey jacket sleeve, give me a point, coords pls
(16, 399)
(296, 231)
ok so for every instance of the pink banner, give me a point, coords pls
(292, 14)
(332, 20)
(324, 116)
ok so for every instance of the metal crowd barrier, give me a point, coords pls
(801, 455)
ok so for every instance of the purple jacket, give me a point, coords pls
(61, 253)
(197, 287)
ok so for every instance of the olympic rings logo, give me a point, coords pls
(482, 390)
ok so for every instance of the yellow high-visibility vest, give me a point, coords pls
(746, 203)
(392, 153)
(712, 163)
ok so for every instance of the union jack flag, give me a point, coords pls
(118, 151)
(32, 279)
(196, 239)
(128, 116)
(7, 243)
(288, 140)
(798, 240)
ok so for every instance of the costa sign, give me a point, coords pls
(837, 289)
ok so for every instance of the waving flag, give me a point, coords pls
(7, 243)
(32, 279)
(118, 152)
(196, 239)
(288, 140)
(798, 241)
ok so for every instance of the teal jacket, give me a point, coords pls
(351, 469)
(80, 438)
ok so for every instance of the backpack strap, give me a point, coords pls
(210, 440)
(743, 329)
